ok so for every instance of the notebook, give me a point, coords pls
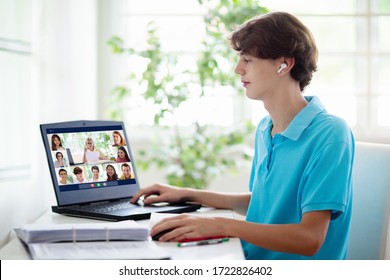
(93, 173)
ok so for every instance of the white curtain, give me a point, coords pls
(64, 72)
(63, 88)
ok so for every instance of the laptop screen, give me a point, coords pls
(89, 161)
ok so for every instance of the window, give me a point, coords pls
(354, 58)
(15, 72)
(352, 80)
(181, 30)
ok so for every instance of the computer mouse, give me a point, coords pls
(157, 236)
(140, 201)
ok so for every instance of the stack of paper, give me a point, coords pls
(138, 250)
(42, 233)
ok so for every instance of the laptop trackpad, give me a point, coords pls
(156, 207)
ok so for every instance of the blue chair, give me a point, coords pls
(371, 203)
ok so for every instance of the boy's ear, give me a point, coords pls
(286, 63)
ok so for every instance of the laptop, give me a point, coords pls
(91, 176)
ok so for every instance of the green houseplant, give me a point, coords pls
(196, 155)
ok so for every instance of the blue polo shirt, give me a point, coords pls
(307, 167)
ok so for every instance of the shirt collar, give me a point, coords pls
(301, 121)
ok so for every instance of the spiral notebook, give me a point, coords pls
(124, 250)
(50, 233)
(90, 241)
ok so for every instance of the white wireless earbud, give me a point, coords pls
(282, 66)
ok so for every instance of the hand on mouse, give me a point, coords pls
(157, 236)
(189, 226)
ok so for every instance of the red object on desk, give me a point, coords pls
(201, 238)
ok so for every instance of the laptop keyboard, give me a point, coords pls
(105, 207)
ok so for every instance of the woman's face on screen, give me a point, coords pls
(117, 138)
(57, 141)
(110, 171)
(121, 154)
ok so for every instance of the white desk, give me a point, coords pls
(15, 250)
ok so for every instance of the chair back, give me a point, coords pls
(371, 203)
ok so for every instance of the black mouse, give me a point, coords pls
(158, 235)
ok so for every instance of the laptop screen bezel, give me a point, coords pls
(91, 195)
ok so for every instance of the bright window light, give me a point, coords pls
(353, 69)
